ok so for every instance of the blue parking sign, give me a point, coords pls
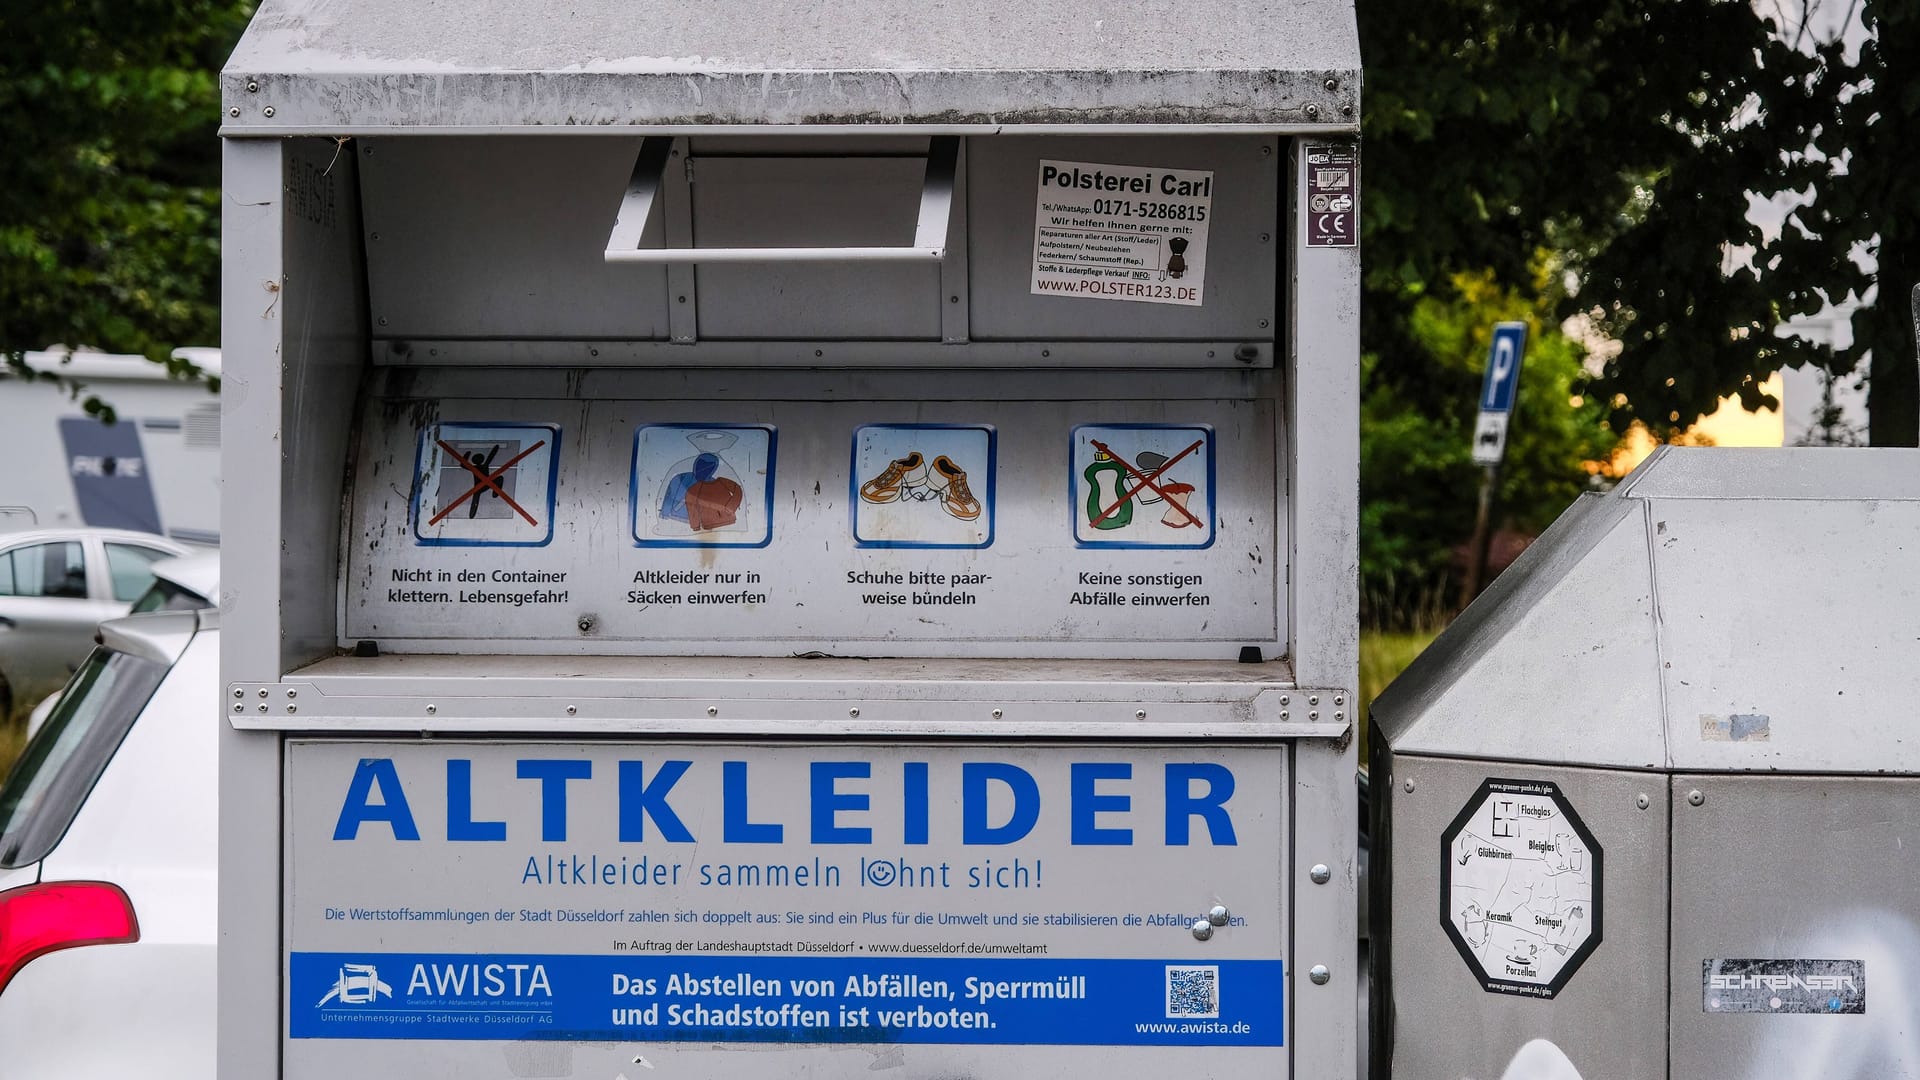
(1503, 367)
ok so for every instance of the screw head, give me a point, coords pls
(1642, 802)
(1218, 914)
(1202, 929)
(1695, 798)
(1320, 873)
(586, 624)
(1319, 974)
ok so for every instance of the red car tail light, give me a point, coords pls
(39, 919)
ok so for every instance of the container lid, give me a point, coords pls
(348, 66)
(1721, 610)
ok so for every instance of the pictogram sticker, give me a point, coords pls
(702, 485)
(1142, 485)
(486, 485)
(923, 485)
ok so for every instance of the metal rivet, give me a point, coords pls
(263, 706)
(263, 691)
(855, 711)
(383, 320)
(1339, 716)
(1339, 699)
(683, 299)
(235, 111)
(1313, 714)
(573, 710)
(1320, 873)
(1695, 798)
(1266, 151)
(431, 709)
(593, 352)
(1346, 110)
(293, 709)
(1139, 714)
(267, 112)
(1314, 700)
(713, 710)
(253, 86)
(1264, 237)
(237, 707)
(1046, 352)
(237, 692)
(1319, 974)
(292, 693)
(586, 624)
(373, 236)
(1202, 929)
(953, 299)
(1263, 324)
(997, 714)
(1313, 111)
(1284, 699)
(1642, 802)
(819, 352)
(1218, 914)
(1409, 787)
(1331, 85)
(1283, 714)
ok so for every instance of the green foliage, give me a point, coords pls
(1621, 136)
(1383, 656)
(1418, 482)
(109, 231)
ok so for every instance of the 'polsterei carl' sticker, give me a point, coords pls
(1121, 232)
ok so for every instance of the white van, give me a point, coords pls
(157, 470)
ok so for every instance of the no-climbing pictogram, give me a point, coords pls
(1143, 485)
(487, 485)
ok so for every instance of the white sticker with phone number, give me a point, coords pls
(1121, 232)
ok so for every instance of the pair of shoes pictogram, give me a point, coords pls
(914, 479)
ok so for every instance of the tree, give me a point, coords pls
(1621, 139)
(109, 231)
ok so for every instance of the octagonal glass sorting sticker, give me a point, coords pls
(1520, 887)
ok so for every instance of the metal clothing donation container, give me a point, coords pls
(772, 540)
(1643, 810)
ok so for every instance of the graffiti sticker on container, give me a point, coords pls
(1121, 232)
(1784, 986)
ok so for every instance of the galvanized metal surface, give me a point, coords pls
(1796, 868)
(1742, 609)
(1437, 1022)
(348, 66)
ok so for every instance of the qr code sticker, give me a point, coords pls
(1193, 993)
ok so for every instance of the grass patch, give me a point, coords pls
(1383, 656)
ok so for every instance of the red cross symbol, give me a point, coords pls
(486, 481)
(1147, 480)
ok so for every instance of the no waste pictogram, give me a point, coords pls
(486, 484)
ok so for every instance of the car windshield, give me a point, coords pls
(66, 757)
(164, 595)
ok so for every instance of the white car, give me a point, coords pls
(56, 585)
(108, 864)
